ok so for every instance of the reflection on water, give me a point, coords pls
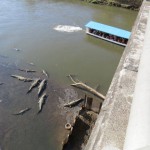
(29, 25)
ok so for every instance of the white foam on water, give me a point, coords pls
(66, 28)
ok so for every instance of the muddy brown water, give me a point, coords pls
(29, 25)
(31, 130)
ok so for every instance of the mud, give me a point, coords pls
(81, 130)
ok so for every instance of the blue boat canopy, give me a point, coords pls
(108, 29)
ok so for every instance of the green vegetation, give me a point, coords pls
(129, 4)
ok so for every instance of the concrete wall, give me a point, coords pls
(138, 131)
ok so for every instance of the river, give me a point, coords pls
(51, 35)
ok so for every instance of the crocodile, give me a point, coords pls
(73, 103)
(27, 70)
(45, 73)
(42, 86)
(21, 78)
(21, 112)
(42, 101)
(34, 84)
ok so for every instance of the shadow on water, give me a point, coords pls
(31, 131)
(107, 46)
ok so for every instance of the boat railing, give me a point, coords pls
(107, 37)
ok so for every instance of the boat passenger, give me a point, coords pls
(94, 31)
(115, 38)
(102, 34)
(111, 37)
(126, 41)
(107, 36)
(119, 40)
(97, 33)
(123, 41)
(91, 30)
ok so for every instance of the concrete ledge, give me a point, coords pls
(138, 133)
(110, 128)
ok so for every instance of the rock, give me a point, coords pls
(113, 3)
(126, 6)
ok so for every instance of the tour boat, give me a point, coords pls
(108, 33)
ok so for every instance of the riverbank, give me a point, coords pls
(134, 5)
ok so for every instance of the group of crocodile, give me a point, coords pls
(36, 82)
